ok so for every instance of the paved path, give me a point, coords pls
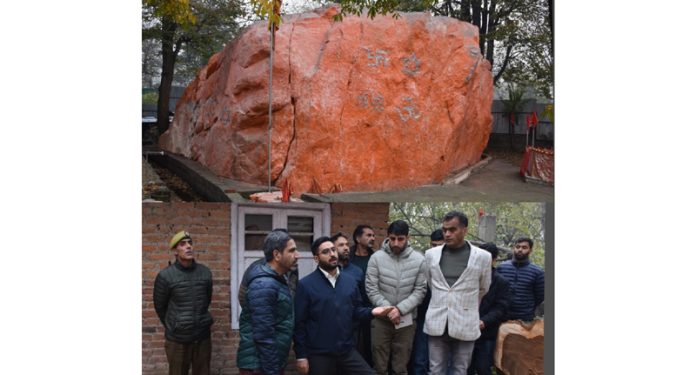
(497, 181)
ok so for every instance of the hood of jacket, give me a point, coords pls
(404, 254)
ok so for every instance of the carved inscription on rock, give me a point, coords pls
(408, 110)
(411, 65)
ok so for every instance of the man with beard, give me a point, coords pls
(363, 241)
(526, 281)
(395, 277)
(326, 303)
(340, 241)
(182, 296)
(459, 275)
(266, 322)
(360, 253)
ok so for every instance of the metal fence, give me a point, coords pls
(544, 131)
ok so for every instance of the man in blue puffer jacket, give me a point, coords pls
(267, 321)
(526, 280)
(327, 303)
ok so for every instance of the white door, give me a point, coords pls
(304, 222)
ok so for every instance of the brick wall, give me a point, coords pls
(346, 216)
(209, 224)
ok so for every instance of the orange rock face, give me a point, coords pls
(358, 105)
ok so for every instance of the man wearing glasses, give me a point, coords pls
(182, 296)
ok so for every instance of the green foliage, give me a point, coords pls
(414, 5)
(150, 97)
(515, 99)
(548, 112)
(215, 23)
(179, 11)
(513, 220)
(265, 10)
(382, 7)
(531, 61)
(515, 37)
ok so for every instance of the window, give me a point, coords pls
(251, 224)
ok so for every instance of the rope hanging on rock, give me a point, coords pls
(270, 108)
(273, 22)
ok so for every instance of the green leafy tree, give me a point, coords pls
(515, 36)
(194, 28)
(513, 220)
(530, 60)
(512, 106)
(150, 97)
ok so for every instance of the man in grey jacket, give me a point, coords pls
(395, 277)
(459, 274)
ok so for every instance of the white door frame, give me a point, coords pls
(239, 258)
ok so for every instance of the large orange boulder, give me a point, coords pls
(358, 105)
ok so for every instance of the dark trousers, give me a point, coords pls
(364, 341)
(194, 355)
(482, 359)
(419, 365)
(350, 363)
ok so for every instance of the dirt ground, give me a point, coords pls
(514, 157)
(180, 190)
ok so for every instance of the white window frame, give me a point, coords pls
(280, 212)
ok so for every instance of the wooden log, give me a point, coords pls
(519, 349)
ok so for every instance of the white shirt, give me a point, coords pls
(332, 279)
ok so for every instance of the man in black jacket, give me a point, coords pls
(182, 296)
(492, 312)
(360, 253)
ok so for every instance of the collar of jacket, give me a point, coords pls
(185, 269)
(323, 276)
(353, 249)
(520, 264)
(404, 254)
(325, 272)
(266, 269)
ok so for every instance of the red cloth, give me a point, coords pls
(286, 192)
(538, 163)
(525, 162)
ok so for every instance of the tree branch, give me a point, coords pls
(508, 52)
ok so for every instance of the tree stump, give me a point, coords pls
(519, 349)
